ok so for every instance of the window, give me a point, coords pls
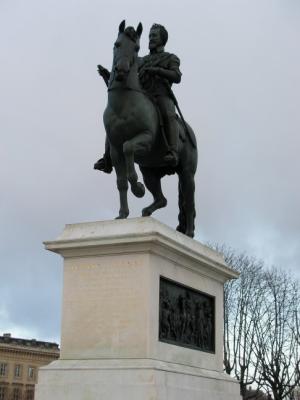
(31, 372)
(2, 393)
(3, 369)
(29, 394)
(16, 394)
(18, 371)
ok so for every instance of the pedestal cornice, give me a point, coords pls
(139, 235)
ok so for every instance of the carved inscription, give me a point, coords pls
(102, 295)
(186, 316)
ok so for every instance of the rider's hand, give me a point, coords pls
(102, 71)
(152, 70)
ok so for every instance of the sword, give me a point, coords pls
(173, 97)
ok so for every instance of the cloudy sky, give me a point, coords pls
(240, 91)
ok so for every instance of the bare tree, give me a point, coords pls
(261, 327)
(242, 309)
(277, 335)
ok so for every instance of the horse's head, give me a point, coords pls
(126, 49)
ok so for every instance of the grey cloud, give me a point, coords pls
(240, 91)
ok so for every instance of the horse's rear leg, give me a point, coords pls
(152, 182)
(139, 145)
(187, 186)
(122, 183)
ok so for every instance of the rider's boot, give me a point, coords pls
(105, 164)
(172, 133)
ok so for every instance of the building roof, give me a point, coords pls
(31, 344)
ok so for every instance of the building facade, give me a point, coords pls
(296, 394)
(256, 395)
(19, 363)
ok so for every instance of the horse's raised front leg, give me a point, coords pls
(118, 162)
(139, 145)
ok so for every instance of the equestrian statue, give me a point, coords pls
(142, 125)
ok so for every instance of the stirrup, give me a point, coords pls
(171, 158)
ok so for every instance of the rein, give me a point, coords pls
(127, 88)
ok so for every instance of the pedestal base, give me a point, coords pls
(132, 380)
(142, 316)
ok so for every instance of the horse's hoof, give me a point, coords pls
(190, 234)
(180, 229)
(146, 212)
(122, 215)
(138, 189)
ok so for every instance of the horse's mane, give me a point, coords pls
(131, 33)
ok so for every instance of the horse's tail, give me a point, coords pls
(186, 186)
(181, 216)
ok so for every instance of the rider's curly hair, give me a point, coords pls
(163, 32)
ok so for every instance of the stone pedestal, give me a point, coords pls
(112, 346)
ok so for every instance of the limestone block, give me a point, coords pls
(110, 347)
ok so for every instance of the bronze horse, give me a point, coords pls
(133, 129)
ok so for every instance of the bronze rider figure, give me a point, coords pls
(157, 72)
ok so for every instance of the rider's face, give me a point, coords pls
(154, 39)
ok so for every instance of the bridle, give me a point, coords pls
(132, 61)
